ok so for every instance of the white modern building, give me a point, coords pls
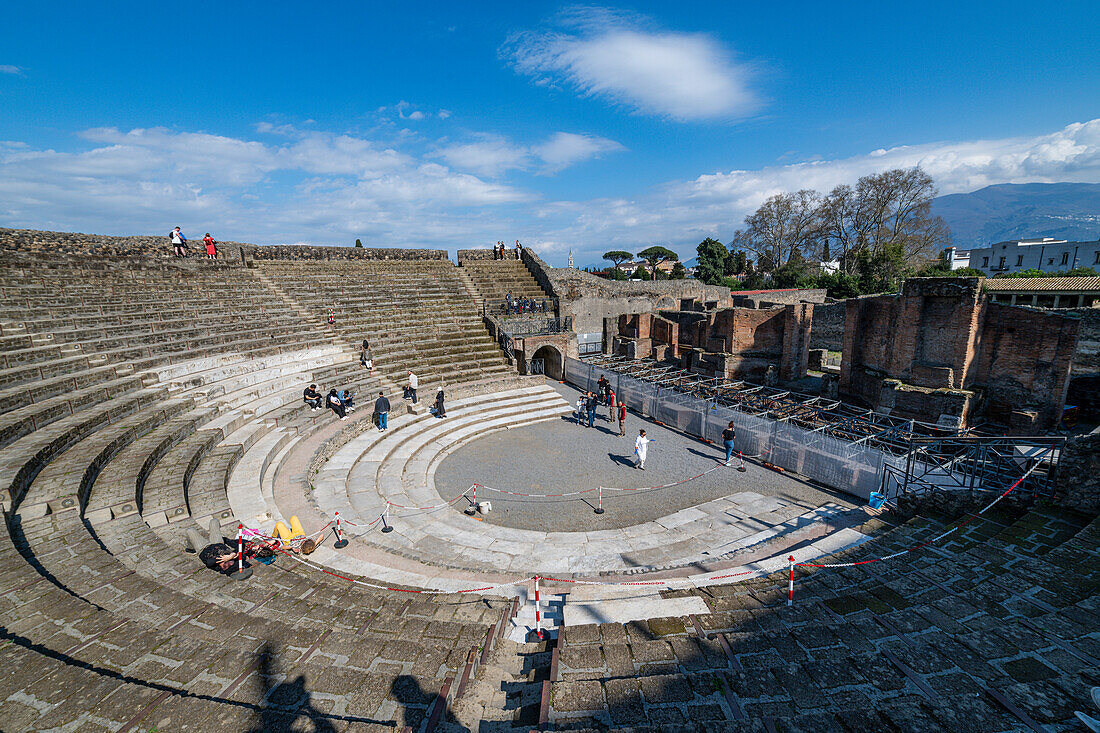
(1046, 254)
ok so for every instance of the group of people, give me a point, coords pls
(223, 554)
(179, 244)
(500, 251)
(341, 402)
(523, 305)
(589, 402)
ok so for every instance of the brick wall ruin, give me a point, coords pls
(746, 343)
(940, 352)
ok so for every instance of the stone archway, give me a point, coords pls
(553, 362)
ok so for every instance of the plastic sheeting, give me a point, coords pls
(836, 463)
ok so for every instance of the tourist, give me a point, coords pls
(331, 317)
(365, 356)
(602, 385)
(640, 447)
(727, 438)
(348, 398)
(336, 404)
(218, 554)
(413, 384)
(582, 407)
(381, 410)
(611, 405)
(312, 397)
(622, 419)
(293, 538)
(211, 247)
(593, 402)
(179, 242)
(440, 408)
(519, 250)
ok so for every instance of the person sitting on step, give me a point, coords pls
(348, 398)
(336, 405)
(312, 397)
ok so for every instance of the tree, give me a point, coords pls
(784, 224)
(712, 257)
(657, 254)
(641, 273)
(617, 256)
(826, 254)
(358, 244)
(679, 272)
(889, 214)
(737, 263)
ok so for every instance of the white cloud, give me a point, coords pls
(323, 187)
(493, 155)
(489, 155)
(681, 213)
(683, 76)
(563, 149)
(9, 69)
(318, 187)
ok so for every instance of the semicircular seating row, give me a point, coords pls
(116, 436)
(395, 470)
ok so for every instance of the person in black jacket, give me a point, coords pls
(312, 397)
(336, 404)
(440, 408)
(382, 410)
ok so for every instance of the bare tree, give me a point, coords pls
(784, 224)
(888, 211)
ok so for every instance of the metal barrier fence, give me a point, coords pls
(840, 464)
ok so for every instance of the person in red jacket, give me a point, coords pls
(211, 247)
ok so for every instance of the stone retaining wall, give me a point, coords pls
(828, 329)
(1079, 473)
(311, 252)
(590, 300)
(481, 254)
(100, 245)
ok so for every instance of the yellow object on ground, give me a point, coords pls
(286, 534)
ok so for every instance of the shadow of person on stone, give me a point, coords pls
(627, 461)
(415, 704)
(282, 704)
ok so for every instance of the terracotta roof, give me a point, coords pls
(1030, 284)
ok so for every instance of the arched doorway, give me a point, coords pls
(550, 360)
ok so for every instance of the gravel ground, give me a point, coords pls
(559, 455)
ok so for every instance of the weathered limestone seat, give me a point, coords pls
(914, 644)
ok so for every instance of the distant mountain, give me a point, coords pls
(1022, 210)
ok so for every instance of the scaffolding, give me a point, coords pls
(816, 414)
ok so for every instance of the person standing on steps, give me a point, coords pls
(382, 409)
(179, 242)
(440, 408)
(211, 247)
(727, 438)
(336, 404)
(641, 446)
(365, 356)
(413, 384)
(622, 419)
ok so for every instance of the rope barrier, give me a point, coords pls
(763, 567)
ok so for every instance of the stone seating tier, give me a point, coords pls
(494, 279)
(907, 646)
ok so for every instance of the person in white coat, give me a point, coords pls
(641, 445)
(413, 384)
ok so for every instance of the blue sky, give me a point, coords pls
(568, 127)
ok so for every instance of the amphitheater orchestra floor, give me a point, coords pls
(526, 440)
